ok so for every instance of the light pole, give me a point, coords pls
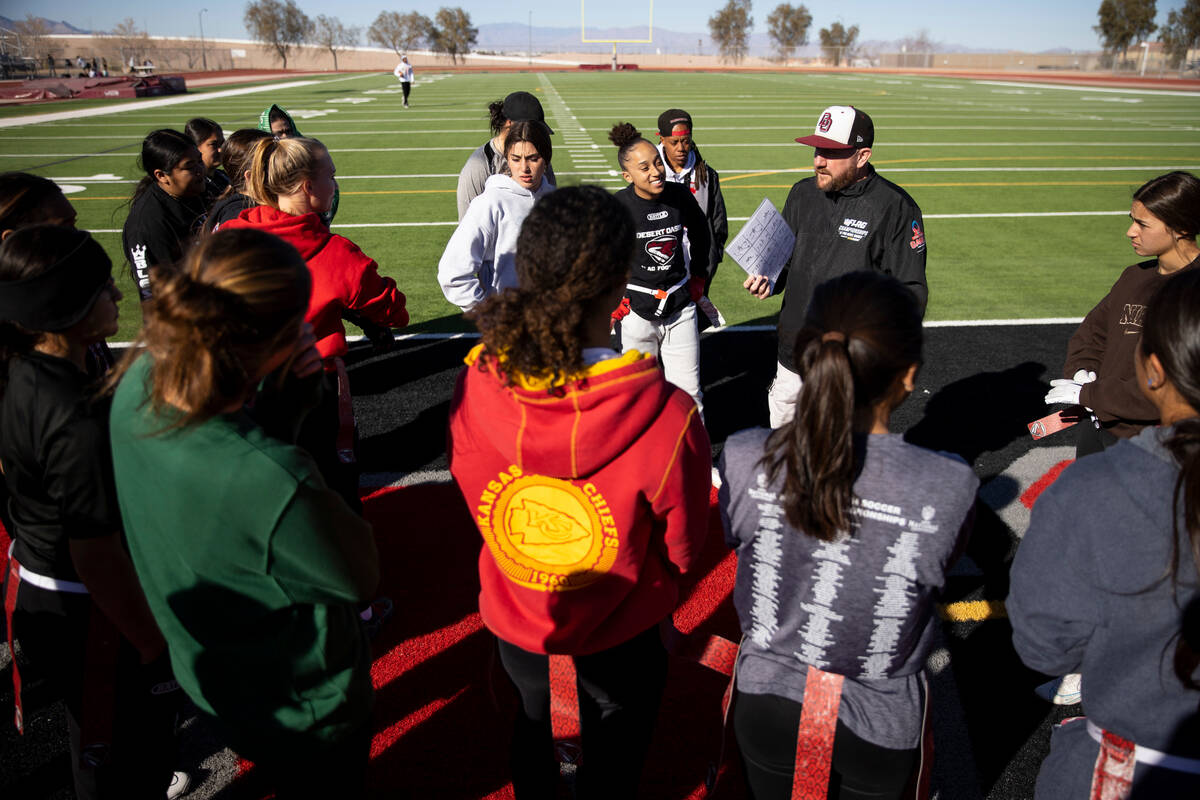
(530, 37)
(1145, 55)
(203, 50)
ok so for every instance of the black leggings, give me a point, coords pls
(766, 728)
(619, 693)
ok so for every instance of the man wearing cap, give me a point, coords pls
(846, 218)
(488, 158)
(404, 74)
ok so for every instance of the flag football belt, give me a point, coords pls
(1112, 778)
(714, 652)
(99, 685)
(661, 294)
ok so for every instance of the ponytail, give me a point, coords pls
(235, 300)
(861, 333)
(278, 167)
(162, 150)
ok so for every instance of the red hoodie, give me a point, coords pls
(591, 502)
(343, 276)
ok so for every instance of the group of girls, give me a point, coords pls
(844, 532)
(262, 608)
(589, 475)
(675, 200)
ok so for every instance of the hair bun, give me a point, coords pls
(624, 134)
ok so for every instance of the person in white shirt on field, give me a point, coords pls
(404, 74)
(478, 260)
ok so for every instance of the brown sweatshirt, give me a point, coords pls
(1105, 343)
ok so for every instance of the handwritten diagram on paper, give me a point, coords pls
(764, 244)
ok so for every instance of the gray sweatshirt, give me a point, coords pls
(484, 162)
(861, 606)
(1088, 595)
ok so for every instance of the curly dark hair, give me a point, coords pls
(574, 250)
(626, 137)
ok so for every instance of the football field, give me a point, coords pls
(1024, 187)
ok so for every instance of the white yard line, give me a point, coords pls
(985, 215)
(1098, 89)
(119, 108)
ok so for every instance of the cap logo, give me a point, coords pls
(826, 122)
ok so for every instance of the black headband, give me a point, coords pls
(56, 299)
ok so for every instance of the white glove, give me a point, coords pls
(1084, 376)
(1064, 391)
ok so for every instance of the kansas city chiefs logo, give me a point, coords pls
(826, 122)
(662, 248)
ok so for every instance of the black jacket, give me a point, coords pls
(158, 231)
(658, 259)
(871, 225)
(227, 208)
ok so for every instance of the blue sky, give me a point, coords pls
(1031, 25)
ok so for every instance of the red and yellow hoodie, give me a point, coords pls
(592, 500)
(343, 276)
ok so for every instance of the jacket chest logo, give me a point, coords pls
(854, 230)
(1132, 314)
(545, 533)
(662, 248)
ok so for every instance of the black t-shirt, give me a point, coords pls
(663, 228)
(57, 466)
(158, 231)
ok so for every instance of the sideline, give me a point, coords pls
(945, 323)
(57, 116)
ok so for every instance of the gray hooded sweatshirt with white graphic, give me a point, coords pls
(861, 606)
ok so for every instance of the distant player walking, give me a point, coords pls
(404, 74)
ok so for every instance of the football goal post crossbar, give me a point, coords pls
(583, 37)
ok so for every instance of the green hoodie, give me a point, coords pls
(264, 124)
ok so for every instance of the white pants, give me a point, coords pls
(676, 342)
(781, 397)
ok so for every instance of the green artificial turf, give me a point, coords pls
(960, 147)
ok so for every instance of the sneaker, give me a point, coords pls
(1069, 691)
(716, 477)
(180, 783)
(382, 609)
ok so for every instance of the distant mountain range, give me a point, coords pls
(508, 37)
(61, 26)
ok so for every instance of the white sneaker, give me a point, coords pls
(716, 477)
(1069, 691)
(180, 782)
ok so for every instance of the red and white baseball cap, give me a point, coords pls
(840, 128)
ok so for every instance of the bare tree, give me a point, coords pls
(837, 41)
(30, 32)
(330, 33)
(788, 27)
(400, 32)
(452, 33)
(1123, 22)
(132, 41)
(730, 29)
(1182, 32)
(918, 49)
(279, 25)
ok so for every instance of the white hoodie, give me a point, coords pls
(479, 258)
